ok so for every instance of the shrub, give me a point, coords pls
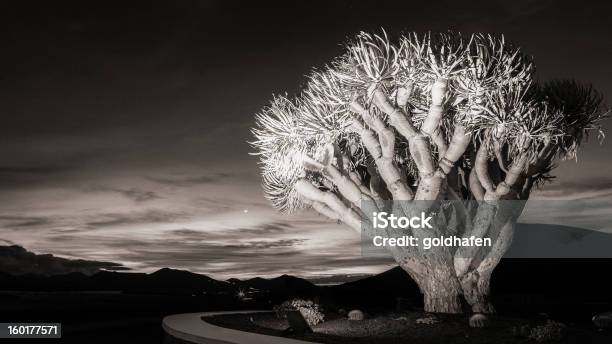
(549, 331)
(310, 310)
(356, 314)
(427, 320)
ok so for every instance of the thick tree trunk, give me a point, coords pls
(476, 292)
(476, 283)
(439, 285)
(442, 284)
(441, 296)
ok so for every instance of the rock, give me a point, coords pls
(342, 312)
(356, 314)
(478, 320)
(428, 320)
(550, 331)
(603, 320)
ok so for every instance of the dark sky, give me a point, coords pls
(124, 124)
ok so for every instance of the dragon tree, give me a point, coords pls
(425, 117)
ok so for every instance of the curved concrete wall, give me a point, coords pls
(192, 328)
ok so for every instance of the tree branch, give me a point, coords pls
(382, 152)
(331, 200)
(459, 143)
(431, 124)
(481, 166)
(418, 144)
(475, 187)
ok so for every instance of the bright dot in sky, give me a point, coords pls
(245, 211)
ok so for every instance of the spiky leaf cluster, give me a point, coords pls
(490, 92)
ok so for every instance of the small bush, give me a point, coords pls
(547, 332)
(310, 311)
(356, 314)
(427, 320)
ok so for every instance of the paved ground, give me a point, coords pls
(191, 327)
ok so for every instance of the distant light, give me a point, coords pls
(240, 294)
(245, 211)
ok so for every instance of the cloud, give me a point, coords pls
(135, 194)
(140, 217)
(138, 195)
(594, 188)
(267, 228)
(188, 233)
(191, 181)
(266, 249)
(267, 244)
(17, 221)
(16, 260)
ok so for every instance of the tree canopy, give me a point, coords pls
(444, 85)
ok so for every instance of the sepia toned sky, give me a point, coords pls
(124, 127)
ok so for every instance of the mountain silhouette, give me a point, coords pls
(164, 281)
(181, 280)
(278, 289)
(394, 281)
(16, 260)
